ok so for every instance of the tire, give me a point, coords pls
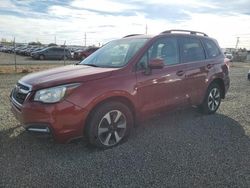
(212, 99)
(41, 57)
(104, 129)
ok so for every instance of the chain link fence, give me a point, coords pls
(16, 57)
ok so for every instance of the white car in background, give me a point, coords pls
(229, 56)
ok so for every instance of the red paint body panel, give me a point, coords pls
(64, 119)
(64, 75)
(167, 88)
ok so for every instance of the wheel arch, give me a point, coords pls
(221, 84)
(122, 99)
(42, 55)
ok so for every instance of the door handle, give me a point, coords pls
(180, 73)
(209, 66)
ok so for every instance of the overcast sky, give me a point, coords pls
(105, 20)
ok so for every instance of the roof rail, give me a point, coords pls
(185, 31)
(131, 35)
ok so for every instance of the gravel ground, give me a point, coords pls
(176, 149)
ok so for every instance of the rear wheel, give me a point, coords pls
(109, 125)
(41, 57)
(212, 99)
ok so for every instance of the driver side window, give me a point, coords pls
(164, 48)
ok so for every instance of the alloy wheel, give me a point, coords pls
(214, 99)
(112, 128)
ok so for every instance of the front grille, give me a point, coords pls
(20, 93)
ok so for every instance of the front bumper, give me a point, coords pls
(63, 120)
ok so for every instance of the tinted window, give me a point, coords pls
(212, 48)
(58, 49)
(165, 48)
(191, 50)
(51, 49)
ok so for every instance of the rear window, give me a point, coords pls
(211, 48)
(191, 50)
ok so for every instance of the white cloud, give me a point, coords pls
(187, 3)
(70, 24)
(224, 28)
(7, 4)
(102, 5)
(66, 12)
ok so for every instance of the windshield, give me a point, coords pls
(115, 54)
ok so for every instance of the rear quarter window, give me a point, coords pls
(211, 48)
(191, 50)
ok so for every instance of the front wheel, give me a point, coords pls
(109, 125)
(212, 99)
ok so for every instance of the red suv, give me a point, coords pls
(124, 81)
(82, 54)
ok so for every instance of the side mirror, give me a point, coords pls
(157, 63)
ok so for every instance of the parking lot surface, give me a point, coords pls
(175, 149)
(9, 59)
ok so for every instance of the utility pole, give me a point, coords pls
(85, 38)
(55, 39)
(14, 44)
(146, 29)
(237, 42)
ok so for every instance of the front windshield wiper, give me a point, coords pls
(91, 65)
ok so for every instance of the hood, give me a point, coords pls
(65, 75)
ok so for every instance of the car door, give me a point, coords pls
(160, 88)
(49, 53)
(58, 53)
(194, 58)
(63, 52)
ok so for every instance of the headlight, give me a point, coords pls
(54, 94)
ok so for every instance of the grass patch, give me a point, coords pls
(7, 69)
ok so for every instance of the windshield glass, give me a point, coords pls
(115, 54)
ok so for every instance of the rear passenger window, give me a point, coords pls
(211, 48)
(191, 50)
